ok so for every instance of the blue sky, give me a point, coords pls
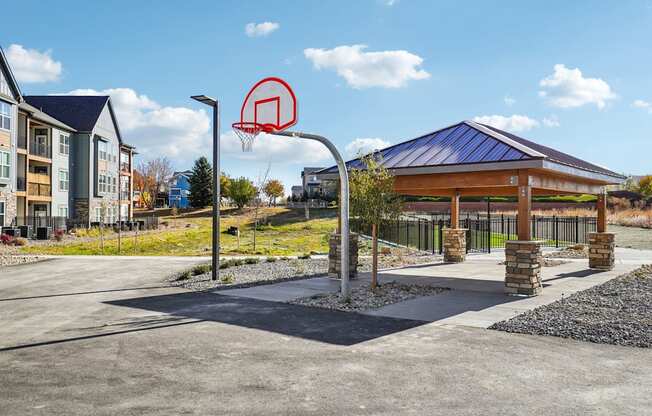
(571, 75)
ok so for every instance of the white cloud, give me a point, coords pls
(363, 146)
(567, 88)
(643, 104)
(179, 133)
(271, 148)
(551, 121)
(390, 3)
(515, 123)
(509, 101)
(360, 69)
(260, 29)
(32, 66)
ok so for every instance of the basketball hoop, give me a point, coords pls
(247, 132)
(270, 106)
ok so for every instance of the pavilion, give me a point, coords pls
(473, 159)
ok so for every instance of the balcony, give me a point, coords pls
(39, 190)
(125, 196)
(39, 178)
(124, 167)
(39, 149)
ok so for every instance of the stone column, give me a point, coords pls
(523, 267)
(601, 251)
(335, 256)
(454, 245)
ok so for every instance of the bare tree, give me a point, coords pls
(258, 200)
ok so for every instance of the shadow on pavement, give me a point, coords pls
(332, 327)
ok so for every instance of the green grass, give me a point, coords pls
(288, 234)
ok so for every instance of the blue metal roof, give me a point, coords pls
(468, 142)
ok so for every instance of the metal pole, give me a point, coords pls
(216, 193)
(345, 288)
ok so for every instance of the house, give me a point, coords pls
(311, 184)
(297, 192)
(179, 189)
(61, 157)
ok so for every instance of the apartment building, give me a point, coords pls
(61, 157)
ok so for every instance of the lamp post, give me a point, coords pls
(216, 181)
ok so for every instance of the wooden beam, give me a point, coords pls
(562, 184)
(456, 180)
(455, 211)
(602, 212)
(524, 206)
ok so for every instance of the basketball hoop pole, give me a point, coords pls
(344, 203)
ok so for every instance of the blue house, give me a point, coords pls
(179, 190)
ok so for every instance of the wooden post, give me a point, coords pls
(374, 256)
(455, 210)
(602, 212)
(524, 206)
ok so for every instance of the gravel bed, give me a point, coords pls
(261, 273)
(9, 257)
(617, 312)
(264, 272)
(579, 251)
(363, 298)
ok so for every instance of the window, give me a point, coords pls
(114, 185)
(101, 184)
(124, 161)
(4, 165)
(101, 150)
(63, 211)
(4, 85)
(64, 180)
(5, 115)
(64, 144)
(98, 214)
(2, 213)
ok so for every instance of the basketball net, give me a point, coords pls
(247, 132)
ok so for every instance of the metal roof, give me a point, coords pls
(43, 117)
(469, 143)
(78, 111)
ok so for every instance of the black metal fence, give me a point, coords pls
(484, 232)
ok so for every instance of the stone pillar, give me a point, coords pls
(335, 255)
(601, 251)
(523, 267)
(454, 245)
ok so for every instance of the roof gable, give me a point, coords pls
(78, 111)
(8, 75)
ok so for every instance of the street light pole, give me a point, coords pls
(216, 181)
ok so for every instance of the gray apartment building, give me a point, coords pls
(61, 156)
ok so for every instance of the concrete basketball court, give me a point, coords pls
(105, 336)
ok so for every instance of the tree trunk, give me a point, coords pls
(374, 256)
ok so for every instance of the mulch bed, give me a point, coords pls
(617, 312)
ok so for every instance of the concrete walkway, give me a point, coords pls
(476, 299)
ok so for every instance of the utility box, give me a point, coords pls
(43, 233)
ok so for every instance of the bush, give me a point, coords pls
(270, 259)
(20, 241)
(58, 235)
(225, 265)
(184, 275)
(6, 239)
(227, 279)
(251, 260)
(201, 269)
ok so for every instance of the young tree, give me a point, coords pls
(374, 202)
(645, 185)
(225, 186)
(273, 189)
(242, 191)
(201, 184)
